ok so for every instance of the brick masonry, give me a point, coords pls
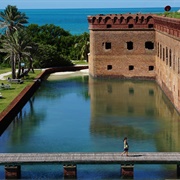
(143, 46)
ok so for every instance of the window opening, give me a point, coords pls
(163, 54)
(149, 45)
(151, 68)
(131, 67)
(150, 25)
(166, 55)
(109, 67)
(170, 58)
(129, 45)
(158, 50)
(107, 45)
(130, 25)
(108, 26)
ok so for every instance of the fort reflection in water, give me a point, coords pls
(137, 109)
(80, 114)
(97, 113)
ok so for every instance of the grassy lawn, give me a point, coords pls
(171, 14)
(4, 70)
(10, 94)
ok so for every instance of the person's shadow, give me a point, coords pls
(135, 155)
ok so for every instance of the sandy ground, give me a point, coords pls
(67, 74)
(57, 74)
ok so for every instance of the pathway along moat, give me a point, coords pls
(75, 113)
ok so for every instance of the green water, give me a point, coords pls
(81, 114)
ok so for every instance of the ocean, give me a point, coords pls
(75, 20)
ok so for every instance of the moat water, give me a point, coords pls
(75, 113)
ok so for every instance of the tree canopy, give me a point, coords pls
(37, 46)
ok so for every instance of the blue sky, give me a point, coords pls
(41, 4)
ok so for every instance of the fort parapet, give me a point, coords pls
(143, 46)
(119, 21)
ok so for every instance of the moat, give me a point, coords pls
(80, 114)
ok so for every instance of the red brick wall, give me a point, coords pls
(119, 57)
(140, 62)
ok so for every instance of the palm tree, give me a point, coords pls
(12, 19)
(17, 45)
(10, 53)
(83, 44)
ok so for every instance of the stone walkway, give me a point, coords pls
(91, 158)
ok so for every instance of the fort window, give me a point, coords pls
(109, 67)
(178, 65)
(174, 61)
(163, 54)
(166, 55)
(131, 68)
(150, 25)
(107, 45)
(170, 58)
(129, 45)
(108, 26)
(149, 45)
(151, 68)
(158, 50)
(130, 25)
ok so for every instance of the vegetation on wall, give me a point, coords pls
(171, 14)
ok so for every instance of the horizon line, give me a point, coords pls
(95, 8)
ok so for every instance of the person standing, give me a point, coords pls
(126, 147)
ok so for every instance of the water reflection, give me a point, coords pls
(81, 114)
(104, 111)
(136, 109)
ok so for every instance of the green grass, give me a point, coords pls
(4, 70)
(171, 14)
(10, 94)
